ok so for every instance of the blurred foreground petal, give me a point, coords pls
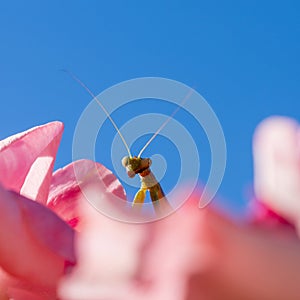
(192, 254)
(250, 263)
(277, 166)
(118, 260)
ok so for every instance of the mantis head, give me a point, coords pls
(135, 165)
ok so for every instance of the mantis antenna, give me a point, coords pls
(166, 122)
(102, 107)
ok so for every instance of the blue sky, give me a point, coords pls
(241, 56)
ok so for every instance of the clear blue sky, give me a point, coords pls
(242, 56)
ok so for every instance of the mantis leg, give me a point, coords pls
(159, 200)
(139, 197)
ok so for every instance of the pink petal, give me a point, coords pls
(249, 263)
(277, 166)
(175, 250)
(260, 214)
(108, 253)
(192, 254)
(129, 261)
(34, 242)
(66, 194)
(27, 158)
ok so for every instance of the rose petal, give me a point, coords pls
(35, 243)
(174, 251)
(249, 263)
(277, 166)
(27, 158)
(66, 194)
(108, 252)
(260, 214)
(130, 261)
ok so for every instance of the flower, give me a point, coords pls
(36, 237)
(276, 151)
(54, 243)
(192, 254)
(35, 244)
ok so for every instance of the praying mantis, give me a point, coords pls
(136, 165)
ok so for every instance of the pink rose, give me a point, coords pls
(39, 214)
(192, 254)
(35, 244)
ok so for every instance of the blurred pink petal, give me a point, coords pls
(262, 215)
(136, 261)
(193, 254)
(27, 158)
(277, 166)
(250, 263)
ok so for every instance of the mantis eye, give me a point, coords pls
(149, 162)
(125, 161)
